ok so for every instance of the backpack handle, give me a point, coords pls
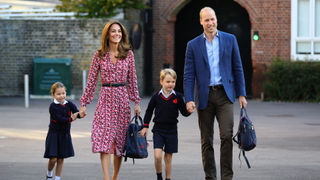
(243, 112)
(137, 120)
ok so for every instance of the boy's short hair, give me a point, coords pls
(169, 71)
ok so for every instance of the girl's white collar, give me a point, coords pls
(57, 102)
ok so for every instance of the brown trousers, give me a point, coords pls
(221, 107)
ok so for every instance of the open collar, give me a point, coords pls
(172, 92)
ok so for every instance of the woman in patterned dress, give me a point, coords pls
(115, 62)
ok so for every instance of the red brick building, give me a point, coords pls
(175, 22)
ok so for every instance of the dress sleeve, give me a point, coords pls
(88, 93)
(132, 80)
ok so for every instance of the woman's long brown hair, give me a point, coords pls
(123, 46)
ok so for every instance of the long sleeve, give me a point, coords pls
(189, 74)
(237, 69)
(149, 112)
(73, 107)
(88, 93)
(182, 107)
(57, 116)
(132, 80)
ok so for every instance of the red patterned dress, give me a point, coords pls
(112, 114)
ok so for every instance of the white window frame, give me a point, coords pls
(294, 33)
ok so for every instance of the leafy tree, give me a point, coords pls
(98, 8)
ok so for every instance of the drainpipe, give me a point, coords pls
(148, 31)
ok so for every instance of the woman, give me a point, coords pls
(115, 62)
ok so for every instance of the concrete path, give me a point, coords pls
(288, 144)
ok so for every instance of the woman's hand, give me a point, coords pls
(137, 110)
(83, 111)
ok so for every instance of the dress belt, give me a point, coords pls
(114, 84)
(216, 87)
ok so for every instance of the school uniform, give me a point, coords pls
(166, 111)
(58, 141)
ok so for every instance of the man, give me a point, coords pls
(213, 71)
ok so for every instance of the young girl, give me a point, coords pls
(166, 105)
(58, 141)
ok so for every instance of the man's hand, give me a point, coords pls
(190, 106)
(242, 101)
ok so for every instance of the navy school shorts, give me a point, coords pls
(167, 141)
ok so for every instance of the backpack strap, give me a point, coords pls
(245, 158)
(236, 136)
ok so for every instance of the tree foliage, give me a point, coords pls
(98, 8)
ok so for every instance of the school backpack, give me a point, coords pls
(136, 146)
(246, 135)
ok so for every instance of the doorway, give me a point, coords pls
(232, 18)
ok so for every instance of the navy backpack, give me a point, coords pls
(136, 146)
(246, 135)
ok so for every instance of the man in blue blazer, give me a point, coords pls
(213, 72)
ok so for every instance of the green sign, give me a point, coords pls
(48, 71)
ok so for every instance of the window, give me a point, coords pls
(305, 29)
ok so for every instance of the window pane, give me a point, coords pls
(317, 20)
(303, 47)
(303, 18)
(317, 48)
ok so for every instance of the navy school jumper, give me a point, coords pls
(166, 111)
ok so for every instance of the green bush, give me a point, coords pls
(293, 80)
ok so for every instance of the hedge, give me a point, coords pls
(290, 80)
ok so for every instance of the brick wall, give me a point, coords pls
(23, 40)
(273, 21)
(270, 17)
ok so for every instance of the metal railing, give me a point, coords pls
(46, 13)
(43, 13)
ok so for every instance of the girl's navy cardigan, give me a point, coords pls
(60, 117)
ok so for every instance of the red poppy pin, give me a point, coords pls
(175, 101)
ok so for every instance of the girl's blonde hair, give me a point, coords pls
(167, 71)
(55, 86)
(123, 47)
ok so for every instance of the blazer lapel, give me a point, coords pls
(202, 45)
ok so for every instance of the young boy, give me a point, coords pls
(167, 104)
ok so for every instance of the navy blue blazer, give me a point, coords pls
(197, 72)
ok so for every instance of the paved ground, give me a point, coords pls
(288, 144)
